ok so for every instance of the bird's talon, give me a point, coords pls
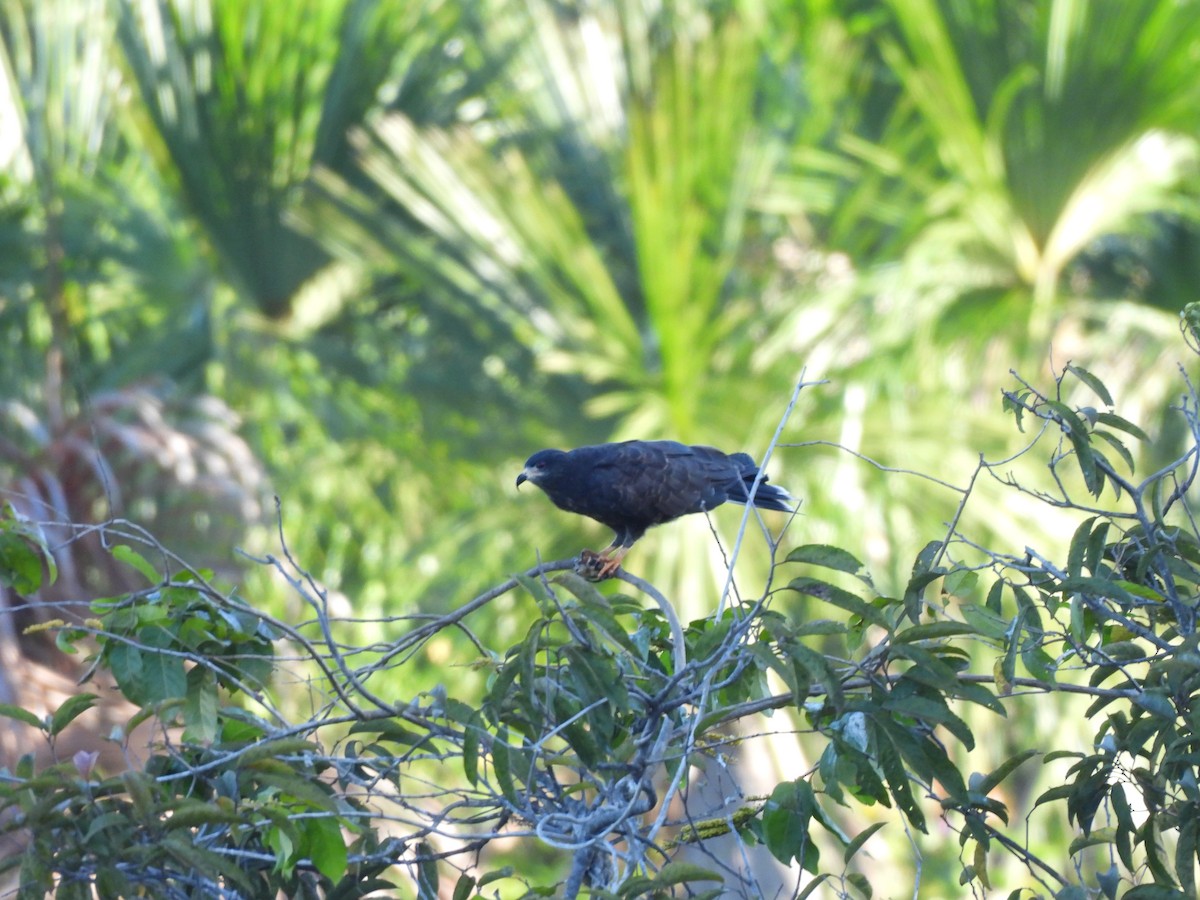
(594, 566)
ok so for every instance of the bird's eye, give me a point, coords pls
(540, 465)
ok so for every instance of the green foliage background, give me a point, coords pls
(407, 244)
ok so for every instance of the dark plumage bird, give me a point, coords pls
(636, 484)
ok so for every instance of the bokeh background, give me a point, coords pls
(368, 255)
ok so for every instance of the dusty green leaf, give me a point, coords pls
(827, 557)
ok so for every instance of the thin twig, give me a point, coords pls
(758, 478)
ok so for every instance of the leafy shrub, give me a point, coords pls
(593, 731)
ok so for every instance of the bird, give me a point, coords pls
(634, 485)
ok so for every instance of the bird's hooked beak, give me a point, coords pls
(521, 479)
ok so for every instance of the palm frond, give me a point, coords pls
(234, 89)
(1043, 113)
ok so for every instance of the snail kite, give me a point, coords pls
(636, 484)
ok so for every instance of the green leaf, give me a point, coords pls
(577, 734)
(1096, 837)
(635, 887)
(1186, 848)
(495, 875)
(923, 574)
(295, 784)
(763, 653)
(859, 839)
(112, 882)
(126, 554)
(1126, 830)
(897, 779)
(1039, 663)
(20, 564)
(470, 751)
(816, 667)
(1124, 591)
(819, 627)
(1014, 402)
(1117, 445)
(927, 759)
(596, 676)
(1055, 755)
(584, 590)
(933, 711)
(141, 788)
(214, 866)
(534, 586)
(325, 846)
(839, 597)
(281, 836)
(463, 887)
(189, 813)
(1092, 382)
(65, 638)
(812, 886)
(275, 748)
(1077, 433)
(70, 710)
(21, 715)
(936, 671)
(987, 783)
(979, 694)
(1008, 664)
(595, 610)
(1157, 703)
(502, 767)
(785, 819)
(427, 873)
(201, 706)
(984, 621)
(1155, 892)
(682, 872)
(932, 631)
(163, 675)
(1114, 421)
(980, 864)
(1109, 881)
(960, 583)
(1097, 543)
(390, 730)
(1154, 854)
(859, 880)
(995, 598)
(1078, 552)
(827, 557)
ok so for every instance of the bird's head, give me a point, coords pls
(542, 464)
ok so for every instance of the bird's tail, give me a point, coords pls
(768, 496)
